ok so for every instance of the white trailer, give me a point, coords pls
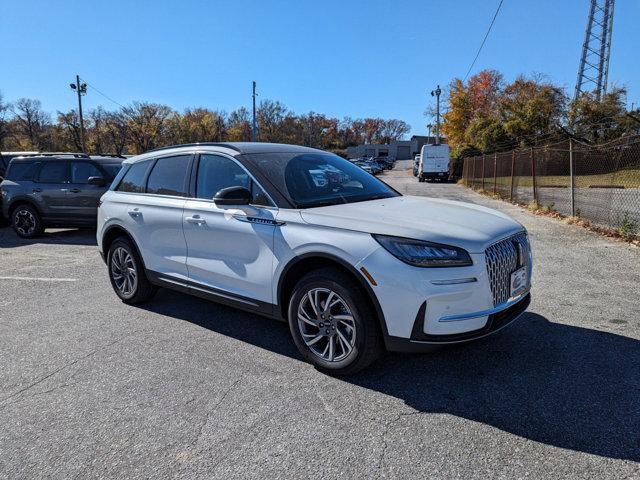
(434, 163)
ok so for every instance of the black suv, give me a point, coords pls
(55, 191)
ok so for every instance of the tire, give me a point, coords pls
(131, 286)
(26, 221)
(355, 335)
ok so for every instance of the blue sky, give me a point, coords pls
(355, 58)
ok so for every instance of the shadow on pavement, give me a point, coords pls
(561, 385)
(9, 239)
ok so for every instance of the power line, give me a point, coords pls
(484, 40)
(104, 95)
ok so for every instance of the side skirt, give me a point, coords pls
(213, 294)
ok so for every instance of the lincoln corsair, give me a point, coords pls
(304, 236)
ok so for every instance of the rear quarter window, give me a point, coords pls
(22, 171)
(133, 180)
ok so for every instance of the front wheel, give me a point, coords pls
(332, 324)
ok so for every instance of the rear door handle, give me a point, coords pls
(37, 190)
(75, 190)
(196, 220)
(135, 212)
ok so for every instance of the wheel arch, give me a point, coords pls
(18, 201)
(111, 234)
(302, 264)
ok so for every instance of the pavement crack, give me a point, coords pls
(56, 371)
(387, 429)
(214, 408)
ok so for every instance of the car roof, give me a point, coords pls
(68, 156)
(233, 148)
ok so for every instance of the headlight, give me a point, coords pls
(424, 254)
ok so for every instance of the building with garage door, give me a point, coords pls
(398, 149)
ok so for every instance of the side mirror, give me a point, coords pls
(97, 181)
(233, 196)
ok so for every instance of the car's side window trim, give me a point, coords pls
(194, 174)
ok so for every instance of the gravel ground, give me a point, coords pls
(184, 388)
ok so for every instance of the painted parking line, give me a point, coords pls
(39, 279)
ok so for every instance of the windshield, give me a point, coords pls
(320, 179)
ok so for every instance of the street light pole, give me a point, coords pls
(254, 130)
(81, 89)
(437, 93)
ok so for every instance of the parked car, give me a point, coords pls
(5, 158)
(385, 162)
(55, 191)
(416, 164)
(353, 267)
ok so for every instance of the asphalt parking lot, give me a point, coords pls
(184, 388)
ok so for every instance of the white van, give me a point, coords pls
(434, 163)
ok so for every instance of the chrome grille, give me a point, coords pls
(504, 258)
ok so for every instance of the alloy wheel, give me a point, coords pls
(326, 324)
(123, 271)
(24, 222)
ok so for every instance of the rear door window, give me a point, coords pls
(169, 176)
(133, 180)
(23, 171)
(53, 172)
(81, 171)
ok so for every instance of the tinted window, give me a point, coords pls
(216, 173)
(318, 179)
(133, 180)
(81, 171)
(53, 172)
(169, 175)
(22, 171)
(112, 169)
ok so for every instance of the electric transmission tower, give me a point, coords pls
(594, 62)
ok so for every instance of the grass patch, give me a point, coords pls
(621, 178)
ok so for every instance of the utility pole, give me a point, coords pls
(436, 93)
(254, 130)
(81, 89)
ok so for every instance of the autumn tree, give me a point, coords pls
(31, 122)
(147, 123)
(4, 124)
(601, 121)
(530, 108)
(239, 126)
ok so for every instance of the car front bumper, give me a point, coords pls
(422, 307)
(422, 342)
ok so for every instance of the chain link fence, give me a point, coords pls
(600, 184)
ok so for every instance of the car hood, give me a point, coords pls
(465, 225)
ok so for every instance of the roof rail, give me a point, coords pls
(198, 144)
(61, 154)
(114, 155)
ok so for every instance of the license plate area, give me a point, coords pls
(519, 282)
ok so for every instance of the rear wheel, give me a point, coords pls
(332, 323)
(26, 221)
(127, 274)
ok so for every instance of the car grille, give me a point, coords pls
(504, 258)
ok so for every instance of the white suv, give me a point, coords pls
(305, 236)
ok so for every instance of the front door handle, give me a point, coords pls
(135, 212)
(75, 190)
(37, 190)
(196, 220)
